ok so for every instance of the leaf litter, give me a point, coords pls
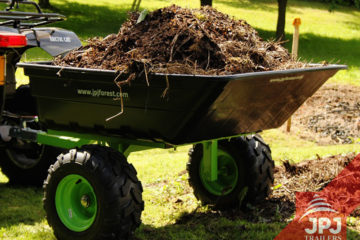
(330, 116)
(184, 41)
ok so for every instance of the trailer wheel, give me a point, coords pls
(245, 173)
(93, 193)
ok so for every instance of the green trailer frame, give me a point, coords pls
(69, 140)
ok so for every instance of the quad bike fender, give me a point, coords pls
(55, 41)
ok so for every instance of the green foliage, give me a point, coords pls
(333, 3)
(355, 3)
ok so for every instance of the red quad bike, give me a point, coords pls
(91, 191)
(25, 162)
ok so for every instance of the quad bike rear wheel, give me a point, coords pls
(245, 173)
(25, 163)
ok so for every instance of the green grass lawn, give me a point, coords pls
(171, 211)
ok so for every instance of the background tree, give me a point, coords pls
(44, 3)
(280, 28)
(206, 2)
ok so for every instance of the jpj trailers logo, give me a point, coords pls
(320, 219)
(322, 215)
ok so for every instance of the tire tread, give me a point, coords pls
(253, 155)
(122, 204)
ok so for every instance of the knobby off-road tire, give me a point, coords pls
(26, 163)
(245, 173)
(105, 195)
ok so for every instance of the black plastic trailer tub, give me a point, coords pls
(195, 108)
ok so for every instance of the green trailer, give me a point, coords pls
(92, 192)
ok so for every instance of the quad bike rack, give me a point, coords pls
(26, 20)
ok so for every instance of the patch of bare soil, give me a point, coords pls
(331, 116)
(179, 40)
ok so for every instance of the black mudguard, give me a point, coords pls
(55, 41)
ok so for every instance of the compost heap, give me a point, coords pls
(331, 116)
(306, 176)
(179, 40)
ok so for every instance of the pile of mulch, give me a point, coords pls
(306, 176)
(280, 206)
(179, 40)
(331, 116)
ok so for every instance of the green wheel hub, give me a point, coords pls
(76, 203)
(227, 175)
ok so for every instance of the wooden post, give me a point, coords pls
(295, 44)
(294, 54)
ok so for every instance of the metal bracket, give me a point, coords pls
(24, 133)
(210, 158)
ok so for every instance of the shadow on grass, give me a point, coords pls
(263, 222)
(318, 4)
(208, 227)
(292, 6)
(355, 26)
(254, 5)
(91, 20)
(20, 205)
(87, 20)
(198, 226)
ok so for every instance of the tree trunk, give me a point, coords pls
(206, 2)
(280, 29)
(44, 3)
